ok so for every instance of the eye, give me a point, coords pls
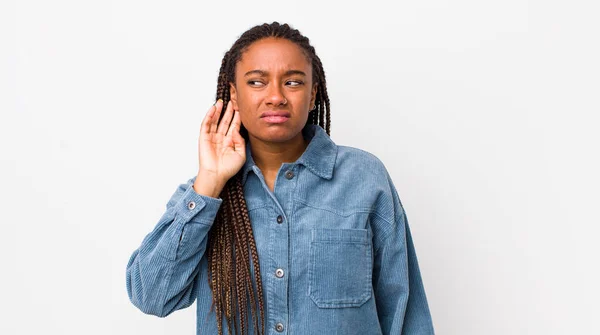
(295, 82)
(255, 83)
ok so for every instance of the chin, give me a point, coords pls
(276, 133)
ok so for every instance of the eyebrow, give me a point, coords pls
(265, 73)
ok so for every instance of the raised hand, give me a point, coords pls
(221, 149)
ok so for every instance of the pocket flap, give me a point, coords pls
(340, 235)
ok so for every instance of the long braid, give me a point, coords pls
(231, 249)
(242, 276)
(245, 237)
(253, 250)
(229, 272)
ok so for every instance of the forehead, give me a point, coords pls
(273, 54)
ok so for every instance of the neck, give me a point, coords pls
(269, 156)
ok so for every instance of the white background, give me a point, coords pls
(484, 112)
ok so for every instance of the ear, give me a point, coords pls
(233, 96)
(313, 95)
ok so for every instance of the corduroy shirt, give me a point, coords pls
(335, 250)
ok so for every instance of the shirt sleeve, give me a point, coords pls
(399, 292)
(161, 272)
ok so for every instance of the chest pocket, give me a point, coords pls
(340, 267)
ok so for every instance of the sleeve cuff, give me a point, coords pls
(196, 207)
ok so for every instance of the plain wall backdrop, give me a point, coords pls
(484, 112)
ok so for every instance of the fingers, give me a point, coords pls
(210, 123)
(224, 125)
(239, 143)
(215, 118)
(206, 122)
(235, 124)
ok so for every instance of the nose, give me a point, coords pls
(275, 96)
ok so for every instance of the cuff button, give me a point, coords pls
(191, 205)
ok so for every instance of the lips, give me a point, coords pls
(275, 113)
(274, 117)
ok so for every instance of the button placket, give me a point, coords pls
(280, 250)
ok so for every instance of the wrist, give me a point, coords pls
(208, 184)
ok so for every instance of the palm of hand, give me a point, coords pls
(222, 150)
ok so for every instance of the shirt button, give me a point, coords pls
(279, 219)
(191, 205)
(279, 273)
(279, 327)
(289, 174)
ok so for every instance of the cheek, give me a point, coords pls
(303, 99)
(246, 100)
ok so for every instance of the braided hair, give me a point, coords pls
(231, 250)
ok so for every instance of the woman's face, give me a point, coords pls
(273, 76)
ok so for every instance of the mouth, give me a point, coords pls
(275, 116)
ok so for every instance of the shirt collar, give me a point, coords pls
(319, 156)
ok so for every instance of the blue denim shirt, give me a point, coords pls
(334, 225)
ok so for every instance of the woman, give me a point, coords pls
(281, 230)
